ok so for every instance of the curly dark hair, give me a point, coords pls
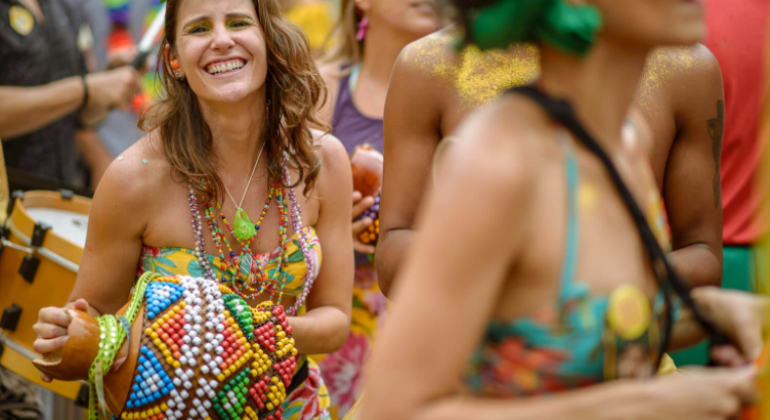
(294, 89)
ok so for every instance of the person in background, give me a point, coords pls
(737, 37)
(314, 17)
(45, 92)
(541, 300)
(370, 35)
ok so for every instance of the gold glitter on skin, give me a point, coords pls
(662, 66)
(478, 77)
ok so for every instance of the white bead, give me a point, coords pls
(213, 365)
(192, 333)
(178, 414)
(179, 372)
(187, 327)
(227, 406)
(220, 338)
(202, 382)
(206, 357)
(212, 394)
(174, 393)
(205, 370)
(198, 318)
(219, 350)
(181, 406)
(216, 371)
(156, 378)
(190, 373)
(188, 317)
(213, 384)
(177, 381)
(170, 414)
(208, 347)
(200, 392)
(193, 412)
(170, 403)
(218, 360)
(196, 351)
(188, 384)
(178, 399)
(185, 348)
(207, 404)
(153, 388)
(220, 327)
(197, 328)
(196, 402)
(184, 394)
(209, 325)
(221, 317)
(187, 339)
(192, 362)
(183, 360)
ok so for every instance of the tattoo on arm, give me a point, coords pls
(716, 127)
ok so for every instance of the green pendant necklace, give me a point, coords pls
(243, 229)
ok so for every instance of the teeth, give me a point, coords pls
(225, 67)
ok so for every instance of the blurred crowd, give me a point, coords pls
(69, 97)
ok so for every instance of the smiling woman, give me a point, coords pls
(241, 90)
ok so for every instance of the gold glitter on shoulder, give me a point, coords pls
(477, 77)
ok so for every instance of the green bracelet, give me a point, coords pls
(113, 332)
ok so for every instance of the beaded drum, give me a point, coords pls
(196, 351)
(367, 164)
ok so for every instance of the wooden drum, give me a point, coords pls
(42, 244)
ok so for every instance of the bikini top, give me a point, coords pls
(181, 261)
(585, 339)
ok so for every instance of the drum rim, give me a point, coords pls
(47, 250)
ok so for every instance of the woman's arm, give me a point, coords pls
(692, 185)
(324, 328)
(412, 117)
(119, 214)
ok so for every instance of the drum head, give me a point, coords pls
(67, 224)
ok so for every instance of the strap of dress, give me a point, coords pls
(572, 175)
(667, 277)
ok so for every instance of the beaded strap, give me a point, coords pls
(113, 332)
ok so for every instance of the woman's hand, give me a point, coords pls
(741, 316)
(359, 205)
(701, 394)
(51, 329)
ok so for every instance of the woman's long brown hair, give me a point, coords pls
(293, 88)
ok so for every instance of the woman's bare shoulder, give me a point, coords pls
(504, 142)
(139, 173)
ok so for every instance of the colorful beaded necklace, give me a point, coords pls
(254, 281)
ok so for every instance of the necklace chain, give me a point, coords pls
(248, 184)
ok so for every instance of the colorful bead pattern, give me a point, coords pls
(206, 354)
(257, 281)
(372, 233)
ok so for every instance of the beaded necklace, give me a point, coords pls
(254, 281)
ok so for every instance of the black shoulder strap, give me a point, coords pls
(667, 277)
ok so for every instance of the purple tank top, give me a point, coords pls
(352, 127)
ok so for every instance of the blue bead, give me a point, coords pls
(140, 369)
(130, 404)
(135, 387)
(156, 395)
(148, 365)
(232, 254)
(143, 401)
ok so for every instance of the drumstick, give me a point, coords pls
(149, 38)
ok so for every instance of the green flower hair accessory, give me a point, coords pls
(570, 28)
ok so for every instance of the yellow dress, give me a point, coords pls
(309, 401)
